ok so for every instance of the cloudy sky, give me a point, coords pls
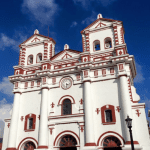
(66, 18)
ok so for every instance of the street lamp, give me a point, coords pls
(129, 125)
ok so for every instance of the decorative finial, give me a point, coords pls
(99, 16)
(66, 47)
(36, 32)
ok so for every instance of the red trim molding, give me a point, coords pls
(109, 135)
(90, 144)
(40, 147)
(11, 148)
(129, 142)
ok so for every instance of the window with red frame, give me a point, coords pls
(26, 85)
(30, 121)
(66, 107)
(108, 114)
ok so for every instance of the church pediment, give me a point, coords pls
(36, 37)
(66, 54)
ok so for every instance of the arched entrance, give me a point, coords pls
(28, 146)
(68, 142)
(111, 143)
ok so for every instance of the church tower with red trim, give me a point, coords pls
(76, 100)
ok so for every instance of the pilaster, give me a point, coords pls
(14, 123)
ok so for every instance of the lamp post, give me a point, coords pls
(129, 125)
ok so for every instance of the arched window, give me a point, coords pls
(96, 45)
(108, 115)
(39, 57)
(111, 142)
(68, 142)
(28, 146)
(108, 43)
(30, 59)
(66, 107)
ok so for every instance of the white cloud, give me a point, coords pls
(73, 24)
(5, 112)
(6, 87)
(7, 42)
(90, 19)
(42, 10)
(139, 77)
(87, 4)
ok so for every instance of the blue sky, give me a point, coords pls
(66, 18)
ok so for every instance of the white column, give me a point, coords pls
(43, 129)
(125, 105)
(14, 123)
(89, 124)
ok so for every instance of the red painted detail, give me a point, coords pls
(120, 53)
(138, 113)
(39, 117)
(104, 72)
(16, 85)
(32, 84)
(81, 101)
(122, 35)
(111, 71)
(66, 97)
(54, 144)
(110, 107)
(120, 66)
(100, 25)
(21, 118)
(83, 44)
(109, 135)
(51, 130)
(26, 85)
(50, 51)
(44, 80)
(42, 147)
(66, 56)
(8, 125)
(90, 144)
(11, 148)
(78, 77)
(26, 122)
(118, 108)
(35, 39)
(38, 83)
(129, 142)
(52, 105)
(60, 53)
(54, 80)
(96, 73)
(85, 73)
(82, 128)
(97, 110)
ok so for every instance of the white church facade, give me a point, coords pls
(76, 100)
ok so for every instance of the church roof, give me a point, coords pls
(51, 39)
(64, 51)
(97, 20)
